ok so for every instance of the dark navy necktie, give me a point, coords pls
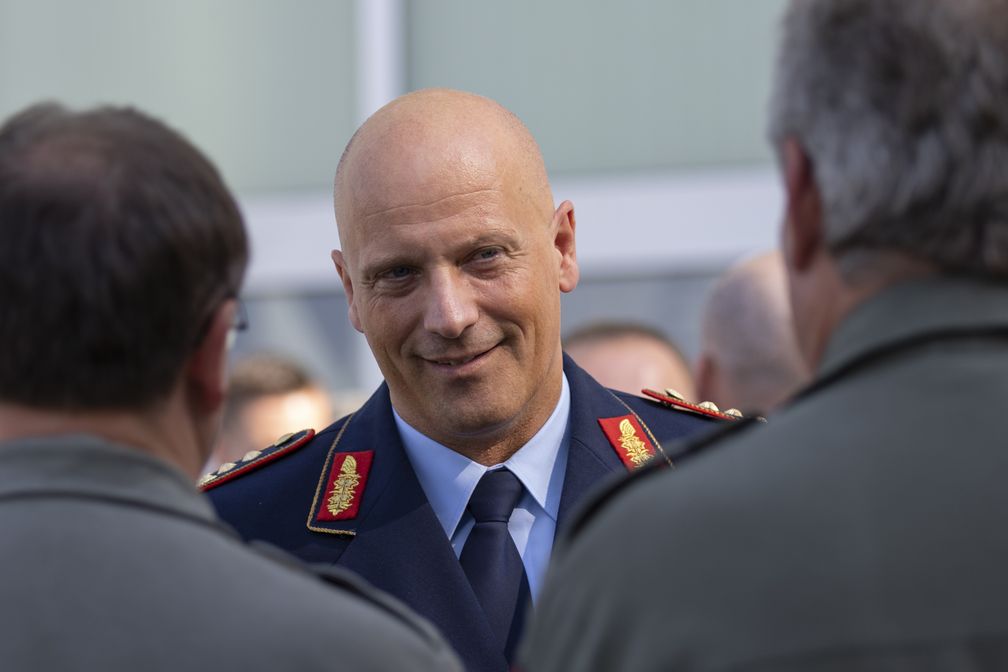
(490, 558)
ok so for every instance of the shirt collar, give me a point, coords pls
(448, 478)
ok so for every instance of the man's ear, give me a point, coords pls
(206, 370)
(348, 288)
(563, 240)
(803, 234)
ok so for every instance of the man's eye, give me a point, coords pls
(489, 253)
(397, 273)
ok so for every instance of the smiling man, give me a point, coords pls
(446, 488)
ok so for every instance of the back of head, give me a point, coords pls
(750, 359)
(630, 357)
(120, 239)
(903, 109)
(263, 375)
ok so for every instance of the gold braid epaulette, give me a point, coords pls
(255, 459)
(672, 399)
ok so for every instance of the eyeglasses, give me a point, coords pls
(240, 323)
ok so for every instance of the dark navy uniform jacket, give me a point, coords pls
(395, 540)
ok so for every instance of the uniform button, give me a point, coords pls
(674, 394)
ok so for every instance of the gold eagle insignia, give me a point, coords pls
(635, 449)
(344, 488)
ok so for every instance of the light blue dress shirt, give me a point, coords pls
(449, 478)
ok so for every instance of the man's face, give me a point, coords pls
(632, 362)
(270, 416)
(457, 290)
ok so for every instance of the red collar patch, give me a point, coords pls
(344, 487)
(628, 439)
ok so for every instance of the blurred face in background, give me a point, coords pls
(271, 416)
(633, 362)
(260, 421)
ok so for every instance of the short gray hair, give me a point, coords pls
(902, 107)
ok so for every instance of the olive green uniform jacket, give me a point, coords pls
(864, 527)
(113, 561)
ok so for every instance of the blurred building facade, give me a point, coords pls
(650, 114)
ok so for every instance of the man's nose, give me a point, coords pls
(451, 304)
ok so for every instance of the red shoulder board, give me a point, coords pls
(344, 488)
(255, 459)
(705, 408)
(628, 439)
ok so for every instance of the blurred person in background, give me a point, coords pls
(749, 357)
(122, 255)
(447, 486)
(863, 526)
(269, 396)
(630, 357)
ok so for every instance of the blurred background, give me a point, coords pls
(650, 114)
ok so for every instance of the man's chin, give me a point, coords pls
(475, 417)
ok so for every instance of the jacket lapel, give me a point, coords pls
(400, 546)
(590, 458)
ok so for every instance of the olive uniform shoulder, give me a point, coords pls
(256, 459)
(605, 495)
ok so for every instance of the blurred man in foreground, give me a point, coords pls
(447, 486)
(749, 357)
(630, 357)
(122, 255)
(862, 527)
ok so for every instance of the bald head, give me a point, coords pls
(749, 358)
(432, 144)
(453, 260)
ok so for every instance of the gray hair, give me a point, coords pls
(902, 107)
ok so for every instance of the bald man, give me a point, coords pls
(749, 356)
(447, 487)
